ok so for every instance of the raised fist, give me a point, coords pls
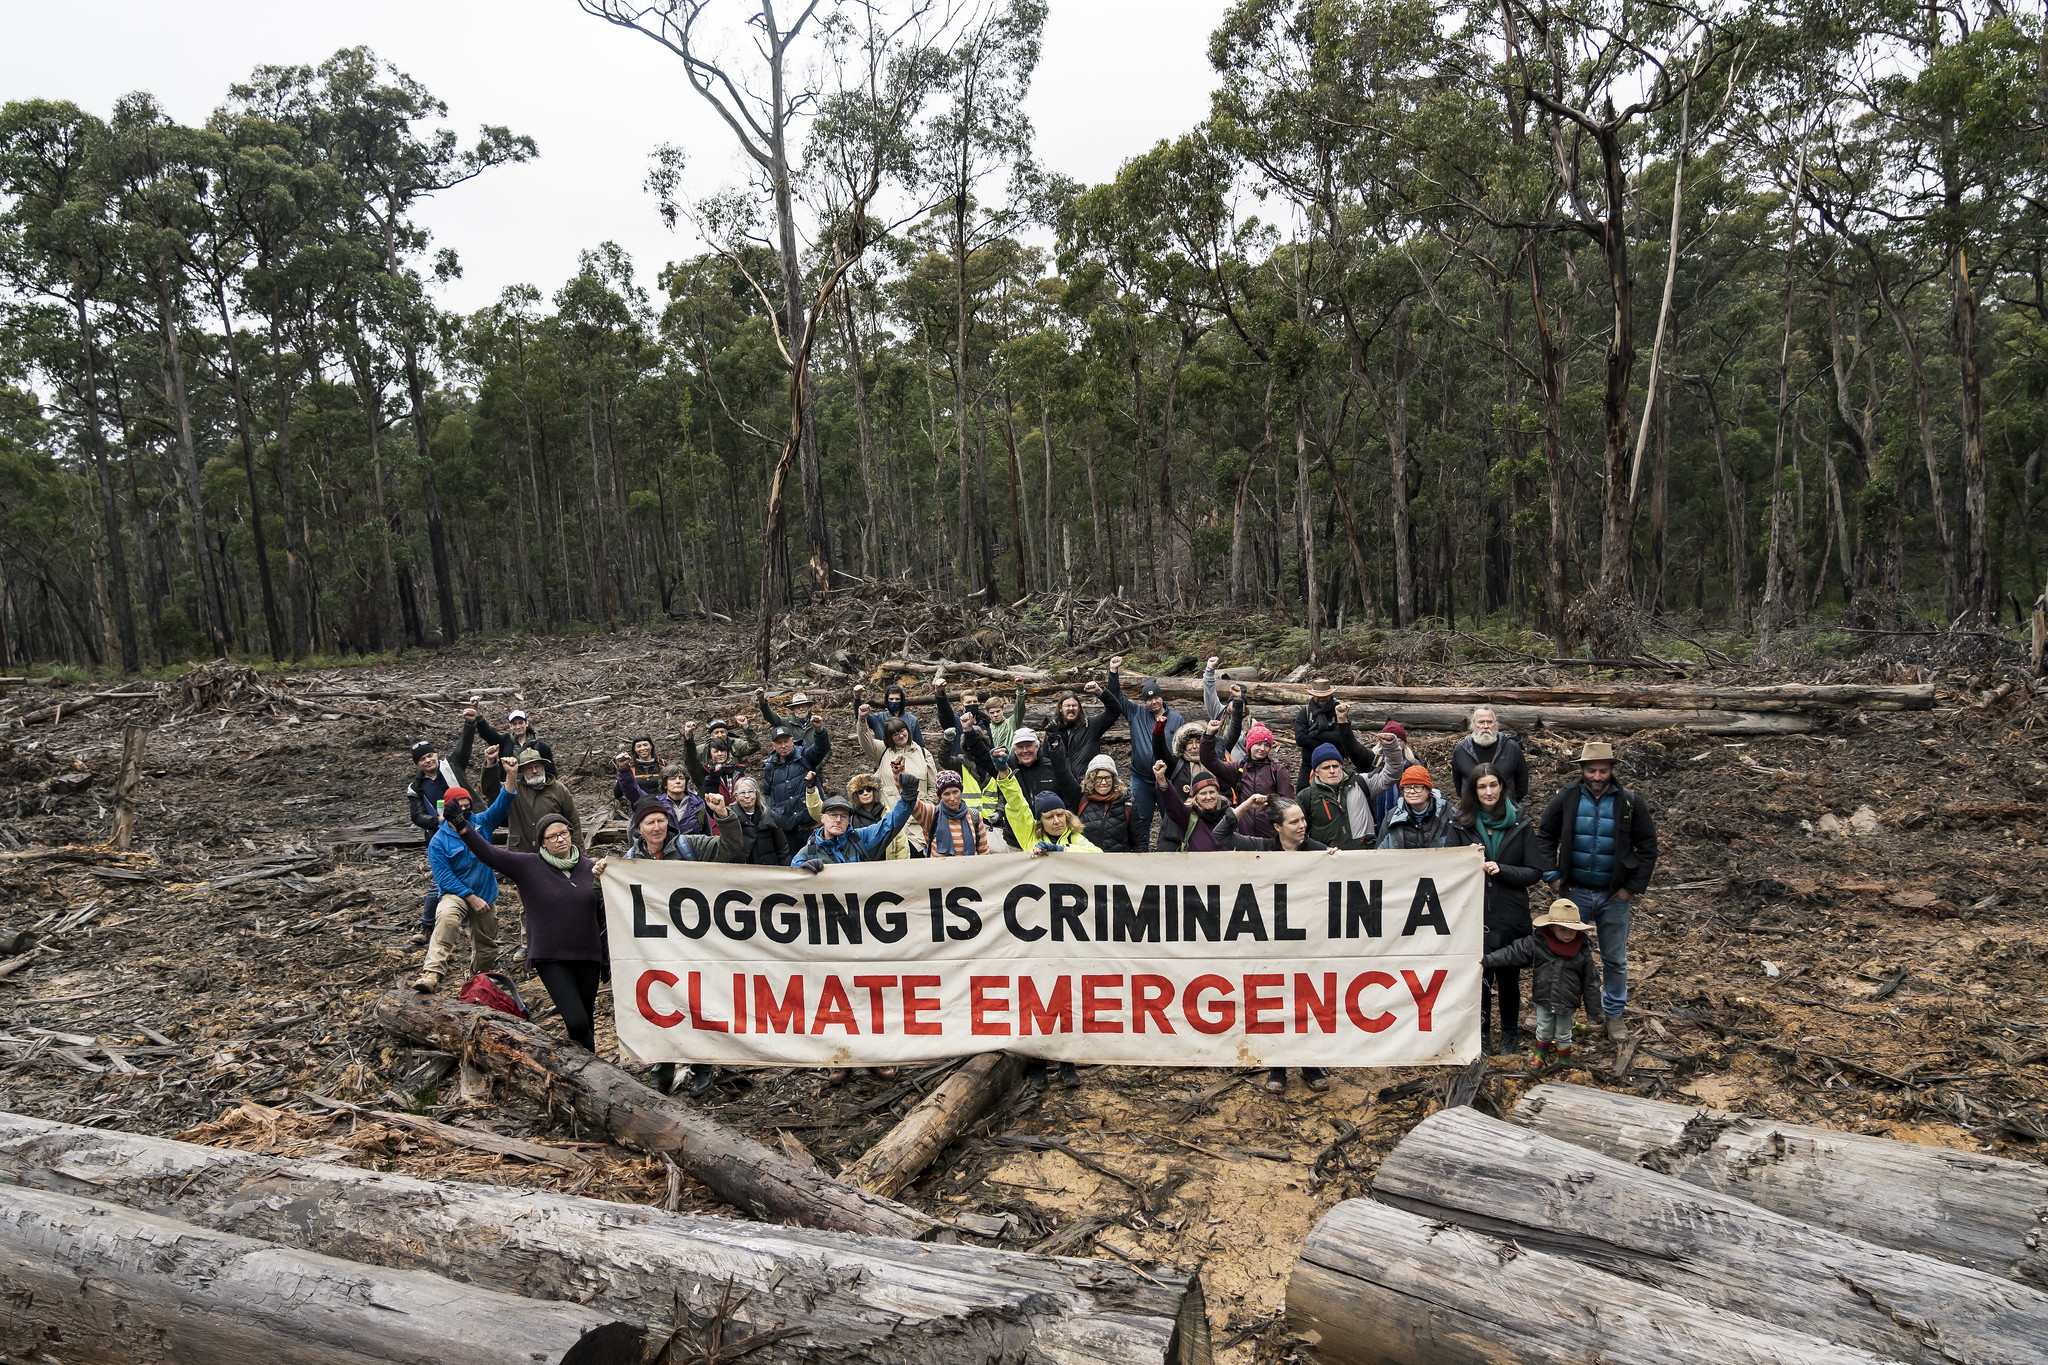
(1159, 769)
(760, 692)
(509, 763)
(1214, 660)
(862, 710)
(490, 752)
(623, 760)
(1215, 726)
(715, 803)
(939, 681)
(860, 689)
(689, 729)
(1343, 712)
(1116, 665)
(1237, 691)
(1257, 799)
(469, 713)
(743, 722)
(1092, 688)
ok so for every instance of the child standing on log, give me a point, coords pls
(1566, 977)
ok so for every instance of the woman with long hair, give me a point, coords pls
(1490, 819)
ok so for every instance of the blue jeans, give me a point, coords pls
(1143, 801)
(1609, 918)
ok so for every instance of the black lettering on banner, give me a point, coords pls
(1068, 901)
(1024, 892)
(741, 926)
(886, 928)
(1425, 909)
(938, 915)
(811, 918)
(1209, 917)
(1172, 915)
(1101, 913)
(1362, 909)
(783, 927)
(642, 926)
(675, 911)
(1139, 924)
(842, 916)
(960, 903)
(1247, 917)
(1281, 928)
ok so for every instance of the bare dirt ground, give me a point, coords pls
(1880, 971)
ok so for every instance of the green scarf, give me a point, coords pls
(565, 866)
(1493, 830)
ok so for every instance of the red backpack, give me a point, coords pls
(496, 990)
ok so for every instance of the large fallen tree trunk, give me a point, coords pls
(911, 1145)
(738, 1169)
(91, 1282)
(861, 1301)
(1377, 1286)
(1667, 696)
(1725, 1252)
(1975, 1210)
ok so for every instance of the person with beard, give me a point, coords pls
(1153, 725)
(1488, 745)
(1599, 842)
(535, 796)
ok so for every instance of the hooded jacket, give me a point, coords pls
(1199, 833)
(1254, 776)
(722, 847)
(1506, 757)
(1562, 984)
(1435, 827)
(457, 872)
(1139, 717)
(867, 845)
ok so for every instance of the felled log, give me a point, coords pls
(1725, 1252)
(862, 1301)
(1974, 1210)
(1454, 718)
(98, 1282)
(1654, 696)
(927, 1130)
(1377, 1286)
(738, 1169)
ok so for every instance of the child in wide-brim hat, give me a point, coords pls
(1565, 978)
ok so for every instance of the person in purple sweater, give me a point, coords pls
(565, 935)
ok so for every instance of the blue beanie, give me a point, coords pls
(1045, 802)
(1325, 753)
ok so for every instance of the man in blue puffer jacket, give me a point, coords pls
(1600, 845)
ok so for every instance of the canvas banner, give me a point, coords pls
(1362, 959)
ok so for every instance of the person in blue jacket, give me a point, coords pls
(1153, 725)
(836, 841)
(1600, 843)
(469, 891)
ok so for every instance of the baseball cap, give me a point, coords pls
(517, 715)
(1025, 735)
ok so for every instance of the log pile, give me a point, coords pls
(1594, 1227)
(517, 1255)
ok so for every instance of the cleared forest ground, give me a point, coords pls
(1846, 928)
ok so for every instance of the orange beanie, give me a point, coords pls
(1416, 776)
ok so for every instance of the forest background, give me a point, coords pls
(1559, 316)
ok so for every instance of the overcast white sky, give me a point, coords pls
(1117, 76)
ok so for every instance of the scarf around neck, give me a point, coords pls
(565, 866)
(1492, 830)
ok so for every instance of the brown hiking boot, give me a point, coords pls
(1616, 1030)
(427, 982)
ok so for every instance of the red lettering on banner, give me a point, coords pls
(1045, 1013)
(915, 1004)
(788, 1017)
(1306, 1002)
(739, 1002)
(647, 1010)
(1359, 983)
(874, 986)
(983, 1004)
(1093, 1006)
(1425, 996)
(1256, 1004)
(1150, 995)
(697, 1019)
(1226, 1010)
(835, 1008)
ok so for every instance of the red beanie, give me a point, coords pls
(456, 794)
(1395, 727)
(1259, 735)
(1415, 775)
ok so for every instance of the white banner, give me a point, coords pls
(1364, 959)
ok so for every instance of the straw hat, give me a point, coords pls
(1564, 914)
(1593, 751)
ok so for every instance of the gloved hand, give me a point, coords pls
(812, 866)
(1001, 759)
(908, 785)
(457, 818)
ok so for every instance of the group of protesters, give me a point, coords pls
(970, 784)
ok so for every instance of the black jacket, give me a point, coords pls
(1436, 827)
(1108, 823)
(1562, 984)
(1507, 892)
(1506, 758)
(1635, 851)
(762, 841)
(1316, 725)
(1074, 746)
(1041, 776)
(1251, 843)
(423, 794)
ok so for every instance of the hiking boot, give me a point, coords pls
(1070, 1075)
(833, 1075)
(1510, 1044)
(1276, 1080)
(699, 1079)
(1486, 1047)
(663, 1077)
(426, 983)
(1616, 1030)
(1314, 1078)
(419, 940)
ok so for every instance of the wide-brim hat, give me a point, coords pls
(530, 756)
(800, 699)
(1321, 687)
(1594, 751)
(1564, 914)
